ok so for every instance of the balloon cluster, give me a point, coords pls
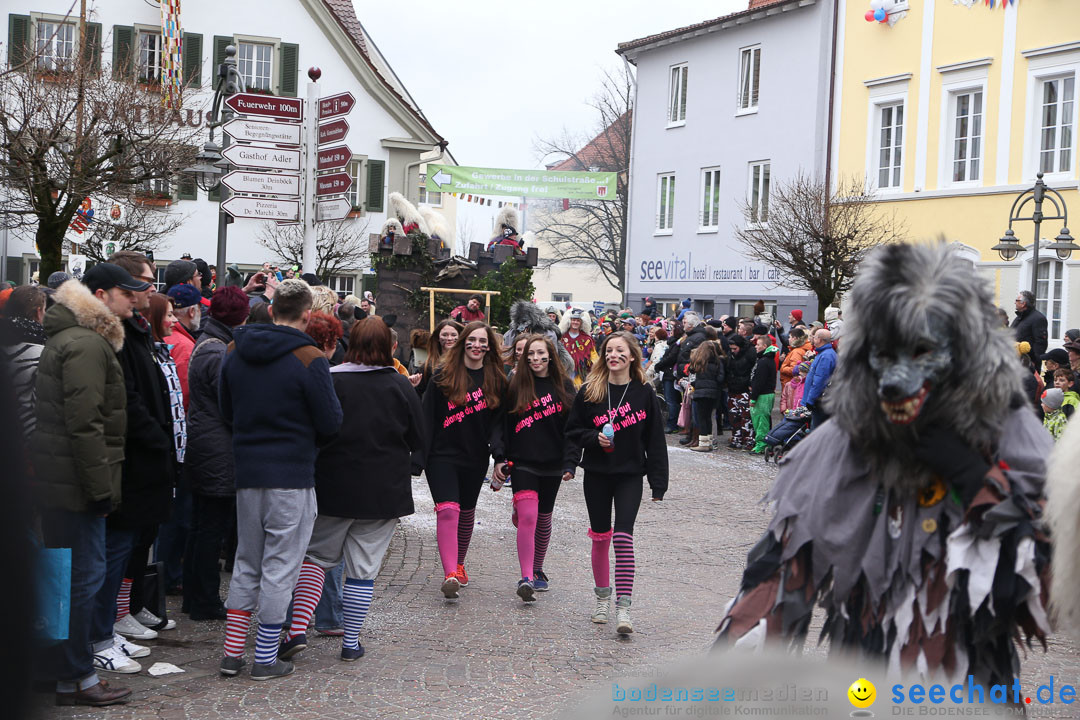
(879, 10)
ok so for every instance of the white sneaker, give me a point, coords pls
(150, 620)
(130, 649)
(623, 626)
(129, 627)
(112, 660)
(603, 597)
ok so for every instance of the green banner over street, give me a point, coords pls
(552, 184)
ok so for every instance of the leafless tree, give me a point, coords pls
(341, 245)
(816, 238)
(140, 227)
(465, 233)
(592, 232)
(70, 130)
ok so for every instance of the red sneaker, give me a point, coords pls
(450, 586)
(462, 576)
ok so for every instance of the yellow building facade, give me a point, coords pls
(949, 109)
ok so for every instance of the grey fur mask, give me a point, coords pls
(907, 375)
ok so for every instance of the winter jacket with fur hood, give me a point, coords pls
(78, 448)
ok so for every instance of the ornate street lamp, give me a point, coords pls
(207, 168)
(1008, 247)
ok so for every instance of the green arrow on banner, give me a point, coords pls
(522, 183)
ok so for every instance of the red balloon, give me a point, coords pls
(869, 16)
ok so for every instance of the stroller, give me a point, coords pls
(788, 434)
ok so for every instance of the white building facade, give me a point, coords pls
(389, 136)
(724, 110)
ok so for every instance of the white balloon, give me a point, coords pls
(877, 4)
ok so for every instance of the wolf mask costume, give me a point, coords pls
(526, 318)
(913, 516)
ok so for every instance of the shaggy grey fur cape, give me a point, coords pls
(527, 318)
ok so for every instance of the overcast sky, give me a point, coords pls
(492, 75)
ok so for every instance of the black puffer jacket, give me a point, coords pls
(149, 473)
(695, 337)
(709, 382)
(209, 464)
(740, 366)
(1030, 327)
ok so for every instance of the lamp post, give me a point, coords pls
(1009, 247)
(210, 166)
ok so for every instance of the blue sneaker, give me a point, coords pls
(350, 654)
(525, 590)
(540, 582)
(292, 647)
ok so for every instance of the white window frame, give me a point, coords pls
(273, 46)
(342, 284)
(357, 192)
(661, 187)
(748, 104)
(1041, 301)
(1046, 65)
(37, 19)
(883, 93)
(678, 83)
(710, 180)
(147, 31)
(1064, 127)
(562, 297)
(765, 192)
(953, 84)
(424, 196)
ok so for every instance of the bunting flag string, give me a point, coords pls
(172, 71)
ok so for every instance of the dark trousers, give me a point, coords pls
(817, 415)
(136, 567)
(704, 409)
(210, 521)
(172, 539)
(119, 545)
(673, 400)
(70, 660)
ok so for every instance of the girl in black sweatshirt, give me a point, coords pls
(460, 405)
(531, 436)
(616, 433)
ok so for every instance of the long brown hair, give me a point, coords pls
(159, 308)
(705, 353)
(434, 347)
(522, 392)
(596, 385)
(454, 378)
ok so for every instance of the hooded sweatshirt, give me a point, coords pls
(763, 376)
(276, 392)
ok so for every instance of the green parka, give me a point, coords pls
(78, 447)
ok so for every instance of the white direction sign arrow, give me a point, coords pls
(262, 208)
(442, 178)
(246, 181)
(267, 132)
(336, 209)
(267, 158)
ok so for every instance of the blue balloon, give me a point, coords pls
(880, 15)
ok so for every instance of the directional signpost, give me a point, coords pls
(332, 209)
(244, 181)
(278, 133)
(333, 158)
(332, 184)
(266, 158)
(262, 208)
(269, 106)
(332, 132)
(334, 105)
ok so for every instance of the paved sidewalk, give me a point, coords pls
(488, 655)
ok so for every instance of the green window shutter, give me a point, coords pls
(290, 69)
(91, 51)
(220, 43)
(186, 189)
(192, 59)
(18, 39)
(215, 194)
(376, 181)
(123, 50)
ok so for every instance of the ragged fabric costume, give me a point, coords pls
(914, 515)
(526, 318)
(582, 348)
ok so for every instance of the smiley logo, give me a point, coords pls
(862, 693)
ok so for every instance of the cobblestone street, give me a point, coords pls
(488, 655)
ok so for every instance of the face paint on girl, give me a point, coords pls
(447, 337)
(476, 344)
(617, 354)
(538, 359)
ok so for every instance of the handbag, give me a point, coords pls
(684, 412)
(53, 610)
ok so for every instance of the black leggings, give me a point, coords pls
(455, 483)
(601, 490)
(546, 487)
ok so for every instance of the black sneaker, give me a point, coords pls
(291, 647)
(350, 654)
(540, 582)
(525, 590)
(231, 665)
(280, 668)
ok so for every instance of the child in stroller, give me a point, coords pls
(794, 427)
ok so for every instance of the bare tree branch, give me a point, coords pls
(141, 228)
(592, 232)
(341, 245)
(816, 238)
